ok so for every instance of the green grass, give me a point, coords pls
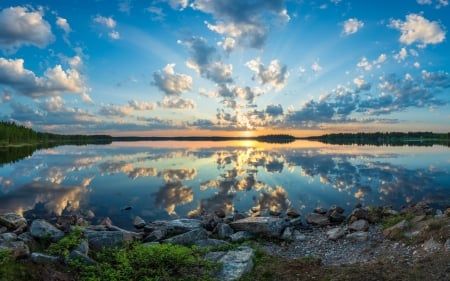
(66, 244)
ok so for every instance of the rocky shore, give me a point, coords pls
(366, 235)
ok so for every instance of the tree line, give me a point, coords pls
(12, 133)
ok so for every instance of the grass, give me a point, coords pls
(66, 244)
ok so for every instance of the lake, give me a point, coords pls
(170, 179)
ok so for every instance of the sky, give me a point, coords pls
(225, 67)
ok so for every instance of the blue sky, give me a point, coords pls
(195, 67)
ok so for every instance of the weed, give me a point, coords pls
(66, 244)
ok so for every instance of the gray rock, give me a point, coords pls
(439, 214)
(138, 222)
(320, 210)
(108, 239)
(447, 245)
(13, 221)
(288, 234)
(395, 230)
(264, 226)
(3, 229)
(18, 249)
(292, 213)
(83, 247)
(317, 219)
(431, 246)
(90, 214)
(234, 263)
(41, 229)
(26, 237)
(211, 243)
(8, 236)
(299, 236)
(297, 221)
(79, 256)
(358, 236)
(241, 236)
(177, 226)
(41, 258)
(335, 233)
(360, 213)
(156, 235)
(188, 238)
(359, 225)
(224, 230)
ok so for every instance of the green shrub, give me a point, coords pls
(66, 244)
(391, 221)
(148, 263)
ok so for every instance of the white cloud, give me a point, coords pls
(115, 110)
(22, 26)
(63, 24)
(141, 105)
(352, 26)
(177, 103)
(417, 64)
(172, 83)
(401, 55)
(365, 64)
(55, 81)
(275, 74)
(418, 29)
(110, 24)
(316, 67)
(438, 3)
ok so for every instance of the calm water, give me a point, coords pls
(162, 180)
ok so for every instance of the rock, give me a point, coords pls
(106, 221)
(241, 236)
(13, 221)
(220, 213)
(358, 236)
(439, 214)
(418, 209)
(188, 238)
(83, 247)
(359, 225)
(90, 214)
(156, 235)
(138, 222)
(287, 234)
(79, 256)
(211, 243)
(65, 222)
(8, 236)
(275, 213)
(320, 210)
(108, 239)
(317, 219)
(292, 213)
(264, 226)
(335, 233)
(177, 226)
(431, 246)
(26, 237)
(224, 230)
(41, 258)
(360, 214)
(234, 263)
(336, 217)
(18, 249)
(447, 212)
(396, 230)
(295, 222)
(3, 229)
(447, 245)
(335, 208)
(299, 236)
(41, 229)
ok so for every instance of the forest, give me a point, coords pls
(14, 134)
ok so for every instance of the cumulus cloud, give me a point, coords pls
(172, 83)
(244, 21)
(7, 97)
(438, 3)
(274, 110)
(110, 24)
(178, 4)
(23, 26)
(316, 67)
(401, 55)
(361, 85)
(115, 110)
(205, 60)
(364, 64)
(141, 105)
(177, 103)
(417, 29)
(55, 81)
(63, 24)
(275, 74)
(352, 26)
(367, 65)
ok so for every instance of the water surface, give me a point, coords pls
(170, 179)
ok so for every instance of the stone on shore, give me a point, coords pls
(262, 226)
(358, 236)
(359, 225)
(335, 233)
(108, 239)
(234, 263)
(41, 258)
(177, 226)
(317, 219)
(188, 238)
(395, 230)
(41, 229)
(224, 230)
(138, 222)
(13, 221)
(241, 236)
(17, 249)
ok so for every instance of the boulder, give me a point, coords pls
(447, 245)
(8, 236)
(359, 225)
(13, 221)
(108, 239)
(335, 233)
(359, 214)
(261, 226)
(156, 235)
(292, 213)
(41, 229)
(358, 236)
(138, 222)
(211, 243)
(241, 236)
(317, 219)
(395, 230)
(224, 230)
(336, 217)
(18, 249)
(79, 256)
(320, 210)
(234, 263)
(188, 238)
(177, 226)
(288, 234)
(431, 246)
(41, 258)
(3, 229)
